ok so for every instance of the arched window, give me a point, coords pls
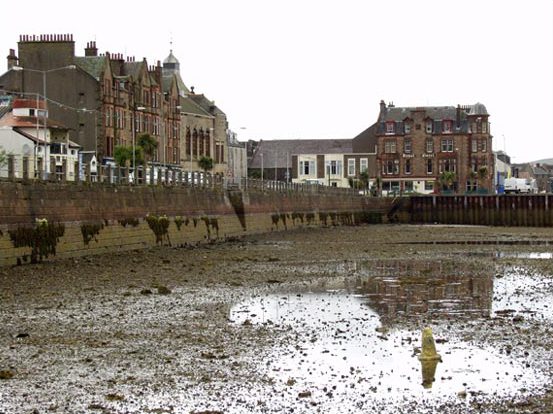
(207, 144)
(187, 141)
(194, 142)
(202, 146)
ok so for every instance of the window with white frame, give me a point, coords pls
(447, 145)
(390, 127)
(429, 167)
(407, 146)
(307, 167)
(484, 145)
(390, 147)
(429, 146)
(429, 127)
(363, 164)
(407, 166)
(334, 167)
(391, 167)
(474, 145)
(407, 127)
(351, 167)
(447, 127)
(447, 165)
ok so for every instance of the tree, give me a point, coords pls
(482, 173)
(148, 144)
(206, 163)
(364, 180)
(447, 179)
(123, 155)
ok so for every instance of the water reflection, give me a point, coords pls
(427, 287)
(348, 336)
(428, 370)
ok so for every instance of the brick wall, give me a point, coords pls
(114, 218)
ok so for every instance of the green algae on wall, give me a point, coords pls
(42, 239)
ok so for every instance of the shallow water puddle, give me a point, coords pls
(519, 292)
(348, 342)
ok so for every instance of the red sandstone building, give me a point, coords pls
(109, 100)
(434, 149)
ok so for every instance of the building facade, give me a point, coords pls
(434, 149)
(108, 100)
(36, 145)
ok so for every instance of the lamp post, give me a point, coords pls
(45, 111)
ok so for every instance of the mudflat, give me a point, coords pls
(311, 320)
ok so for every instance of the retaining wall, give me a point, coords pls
(66, 220)
(493, 210)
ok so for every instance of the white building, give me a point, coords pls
(39, 146)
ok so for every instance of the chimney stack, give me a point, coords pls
(91, 49)
(12, 59)
(383, 110)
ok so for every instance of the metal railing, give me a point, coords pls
(19, 168)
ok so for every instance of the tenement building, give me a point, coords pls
(109, 100)
(431, 149)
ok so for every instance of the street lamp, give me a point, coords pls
(45, 111)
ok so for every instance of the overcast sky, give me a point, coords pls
(284, 69)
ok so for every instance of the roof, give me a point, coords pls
(366, 141)
(206, 104)
(434, 112)
(29, 122)
(279, 152)
(166, 81)
(171, 58)
(133, 68)
(189, 106)
(28, 136)
(94, 65)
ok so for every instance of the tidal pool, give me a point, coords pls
(352, 339)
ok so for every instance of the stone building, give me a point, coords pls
(109, 100)
(428, 149)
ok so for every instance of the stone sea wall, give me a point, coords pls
(53, 220)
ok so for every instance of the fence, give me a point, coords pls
(21, 169)
(492, 210)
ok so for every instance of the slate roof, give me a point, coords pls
(435, 112)
(366, 141)
(132, 68)
(189, 106)
(166, 81)
(206, 104)
(94, 65)
(276, 152)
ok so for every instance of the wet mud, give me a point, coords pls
(312, 320)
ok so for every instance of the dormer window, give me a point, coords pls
(407, 127)
(390, 127)
(447, 127)
(428, 127)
